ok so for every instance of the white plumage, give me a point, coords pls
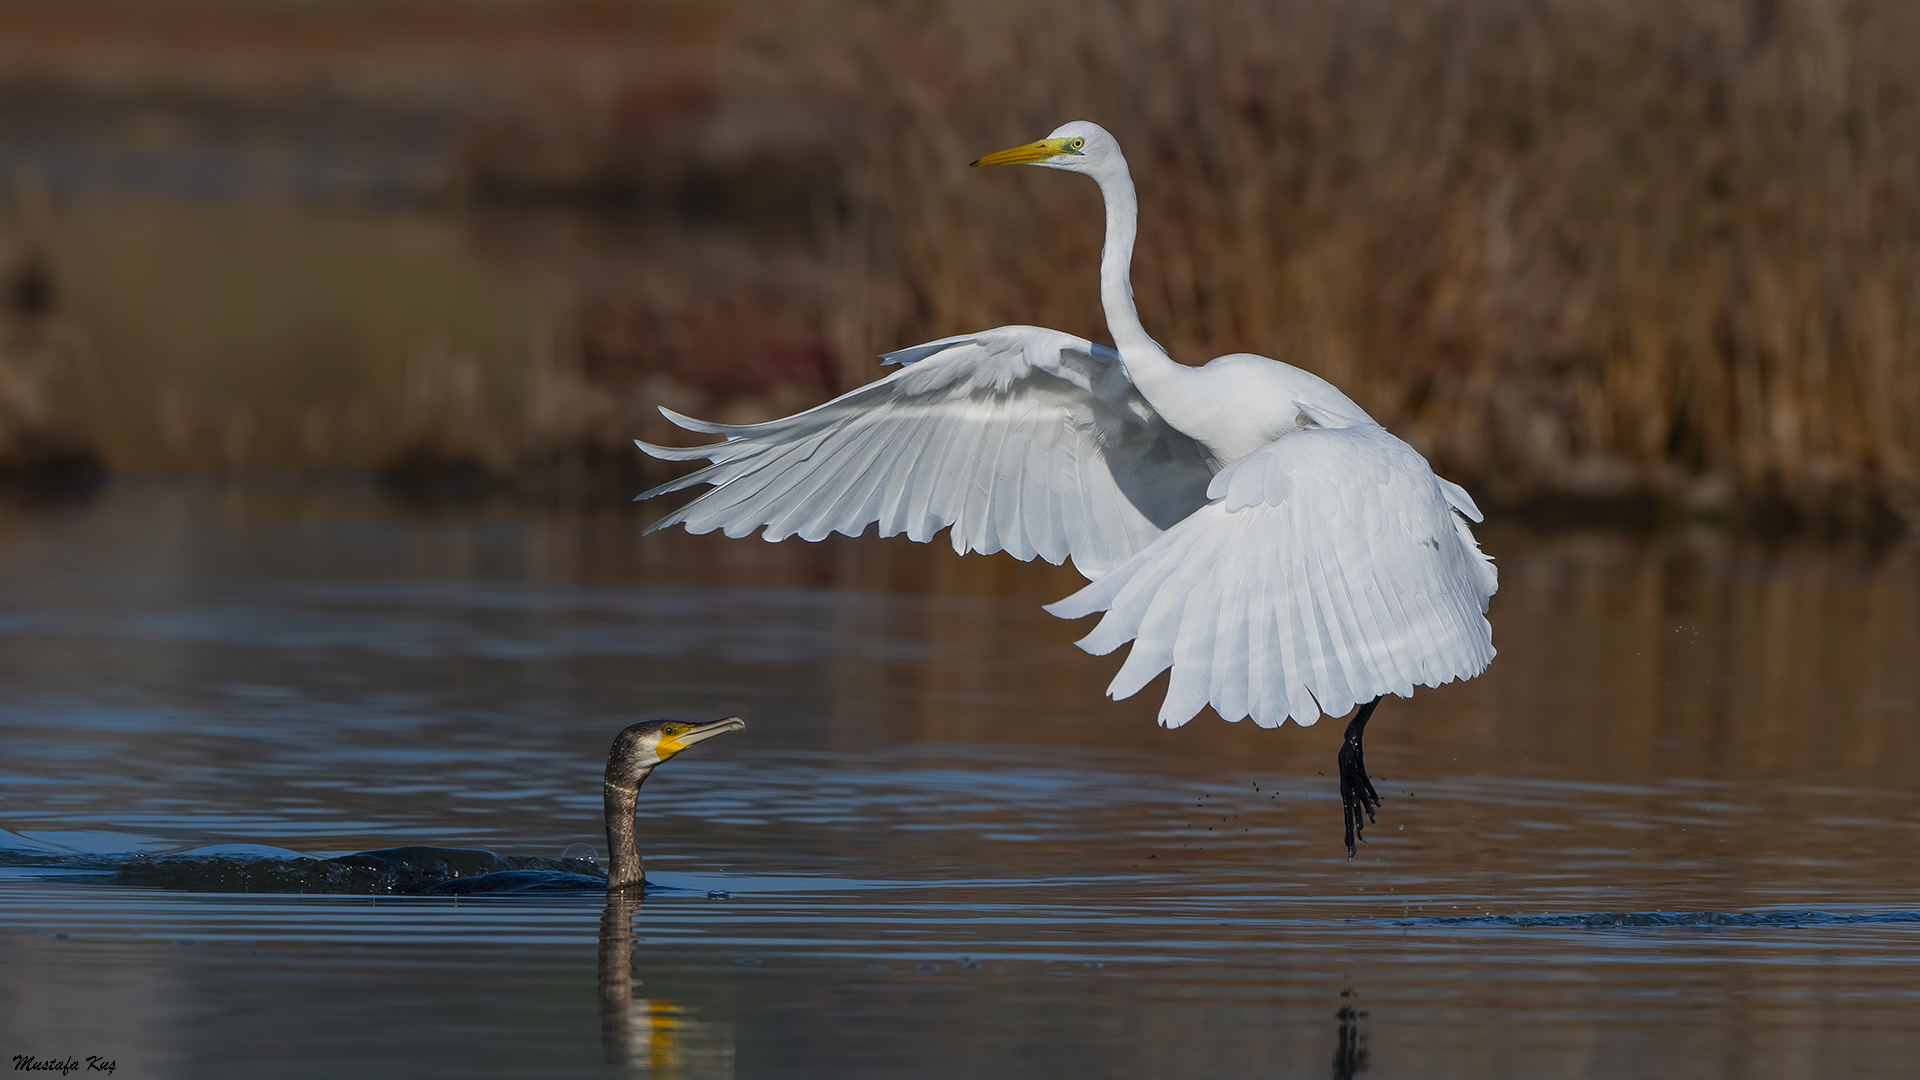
(1243, 523)
(1020, 439)
(1327, 569)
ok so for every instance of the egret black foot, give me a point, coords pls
(1356, 790)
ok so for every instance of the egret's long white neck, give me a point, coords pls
(1151, 369)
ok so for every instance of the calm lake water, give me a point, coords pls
(937, 850)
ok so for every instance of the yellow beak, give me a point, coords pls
(673, 744)
(1028, 154)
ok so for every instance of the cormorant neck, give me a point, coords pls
(624, 869)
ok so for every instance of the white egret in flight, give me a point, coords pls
(1244, 523)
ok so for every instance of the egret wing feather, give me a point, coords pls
(1334, 568)
(1019, 439)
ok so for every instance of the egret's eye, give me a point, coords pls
(1077, 144)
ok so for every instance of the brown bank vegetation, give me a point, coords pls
(1571, 248)
(1616, 253)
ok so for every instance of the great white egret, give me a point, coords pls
(1244, 523)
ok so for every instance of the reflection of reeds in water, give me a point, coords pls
(1622, 659)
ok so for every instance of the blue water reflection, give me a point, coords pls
(938, 850)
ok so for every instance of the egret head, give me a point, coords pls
(1077, 146)
(642, 746)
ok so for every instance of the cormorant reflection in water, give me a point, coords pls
(655, 1033)
(652, 1033)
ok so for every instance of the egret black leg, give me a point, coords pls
(1356, 791)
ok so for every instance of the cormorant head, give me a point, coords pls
(646, 744)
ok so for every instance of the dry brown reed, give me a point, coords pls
(1612, 250)
(1598, 248)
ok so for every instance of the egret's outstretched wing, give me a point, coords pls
(1329, 568)
(1021, 439)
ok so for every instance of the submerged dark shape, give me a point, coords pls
(437, 871)
(389, 871)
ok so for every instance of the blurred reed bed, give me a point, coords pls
(1619, 251)
(1646, 260)
(1612, 254)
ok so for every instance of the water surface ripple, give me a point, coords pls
(1669, 832)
